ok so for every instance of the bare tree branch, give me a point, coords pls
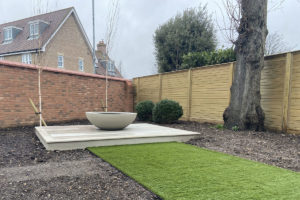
(112, 24)
(111, 29)
(231, 21)
(39, 7)
(275, 5)
(275, 44)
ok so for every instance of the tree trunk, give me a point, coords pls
(244, 110)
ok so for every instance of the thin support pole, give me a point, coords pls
(287, 91)
(94, 55)
(40, 97)
(37, 112)
(106, 88)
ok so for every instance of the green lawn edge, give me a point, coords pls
(136, 161)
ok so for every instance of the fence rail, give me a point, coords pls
(204, 92)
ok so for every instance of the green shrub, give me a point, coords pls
(219, 126)
(144, 110)
(235, 128)
(198, 59)
(166, 111)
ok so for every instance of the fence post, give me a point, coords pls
(231, 76)
(138, 90)
(160, 87)
(189, 95)
(286, 91)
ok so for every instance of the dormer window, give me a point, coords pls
(111, 68)
(8, 35)
(34, 30)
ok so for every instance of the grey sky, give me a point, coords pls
(133, 44)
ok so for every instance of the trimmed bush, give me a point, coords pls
(144, 110)
(166, 111)
(198, 59)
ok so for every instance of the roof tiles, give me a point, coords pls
(21, 42)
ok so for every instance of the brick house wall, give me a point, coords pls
(66, 95)
(69, 42)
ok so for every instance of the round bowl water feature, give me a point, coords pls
(111, 120)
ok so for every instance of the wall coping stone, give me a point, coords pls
(63, 71)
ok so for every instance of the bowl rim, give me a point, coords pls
(131, 113)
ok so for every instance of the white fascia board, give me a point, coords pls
(52, 36)
(83, 31)
(8, 27)
(37, 21)
(19, 52)
(80, 27)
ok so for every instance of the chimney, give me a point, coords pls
(101, 47)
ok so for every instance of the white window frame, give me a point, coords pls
(34, 30)
(110, 66)
(81, 64)
(60, 61)
(27, 58)
(7, 32)
(1, 57)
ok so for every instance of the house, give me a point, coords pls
(56, 39)
(104, 62)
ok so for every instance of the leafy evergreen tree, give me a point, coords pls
(191, 31)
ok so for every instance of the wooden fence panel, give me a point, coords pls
(175, 87)
(271, 85)
(210, 92)
(204, 92)
(294, 101)
(148, 88)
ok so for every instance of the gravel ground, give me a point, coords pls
(28, 171)
(282, 150)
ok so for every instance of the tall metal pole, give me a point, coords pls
(94, 56)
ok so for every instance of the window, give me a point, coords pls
(60, 61)
(26, 58)
(34, 30)
(81, 65)
(7, 34)
(111, 68)
(1, 57)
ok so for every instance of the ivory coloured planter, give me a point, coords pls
(111, 120)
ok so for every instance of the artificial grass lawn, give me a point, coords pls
(181, 171)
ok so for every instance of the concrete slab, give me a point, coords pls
(82, 136)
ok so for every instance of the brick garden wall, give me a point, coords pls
(66, 95)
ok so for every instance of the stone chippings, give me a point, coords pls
(28, 171)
